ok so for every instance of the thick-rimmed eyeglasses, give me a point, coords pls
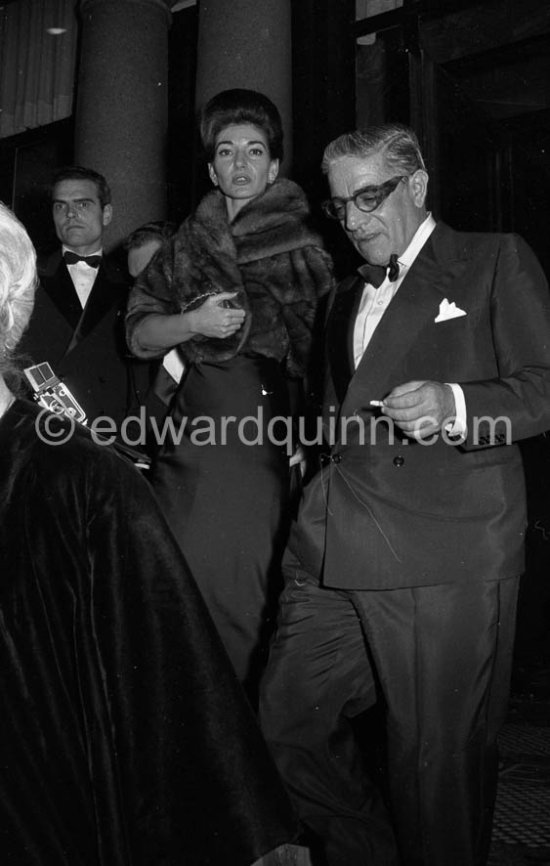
(366, 199)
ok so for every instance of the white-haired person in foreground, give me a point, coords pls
(124, 737)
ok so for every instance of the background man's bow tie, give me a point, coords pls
(72, 258)
(376, 274)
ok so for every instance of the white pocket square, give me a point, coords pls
(448, 311)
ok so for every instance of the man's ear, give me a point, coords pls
(212, 174)
(419, 186)
(273, 171)
(107, 214)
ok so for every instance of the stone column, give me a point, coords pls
(247, 43)
(122, 105)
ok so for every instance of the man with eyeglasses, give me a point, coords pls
(77, 322)
(402, 567)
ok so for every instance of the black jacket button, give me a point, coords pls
(398, 461)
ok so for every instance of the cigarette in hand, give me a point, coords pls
(376, 402)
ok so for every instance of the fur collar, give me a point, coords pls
(274, 222)
(212, 255)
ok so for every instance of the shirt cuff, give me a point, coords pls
(457, 427)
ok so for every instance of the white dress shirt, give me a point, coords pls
(374, 303)
(83, 276)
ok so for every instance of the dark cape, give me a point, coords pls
(124, 738)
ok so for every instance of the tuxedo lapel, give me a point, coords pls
(57, 284)
(103, 297)
(339, 334)
(413, 308)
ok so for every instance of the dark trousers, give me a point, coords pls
(440, 658)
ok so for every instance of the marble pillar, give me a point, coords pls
(247, 43)
(122, 105)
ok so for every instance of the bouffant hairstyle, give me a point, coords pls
(17, 284)
(238, 106)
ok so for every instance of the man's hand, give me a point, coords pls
(420, 409)
(298, 458)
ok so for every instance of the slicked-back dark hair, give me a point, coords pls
(79, 172)
(238, 106)
(396, 142)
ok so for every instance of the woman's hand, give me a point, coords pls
(213, 319)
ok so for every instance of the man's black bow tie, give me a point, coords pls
(72, 258)
(376, 274)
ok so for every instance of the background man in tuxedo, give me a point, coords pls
(77, 323)
(402, 568)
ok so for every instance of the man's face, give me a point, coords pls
(391, 226)
(78, 216)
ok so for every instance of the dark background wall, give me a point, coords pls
(28, 160)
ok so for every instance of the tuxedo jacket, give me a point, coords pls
(86, 349)
(385, 511)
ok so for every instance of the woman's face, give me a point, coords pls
(242, 166)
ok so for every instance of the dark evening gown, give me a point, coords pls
(224, 489)
(228, 503)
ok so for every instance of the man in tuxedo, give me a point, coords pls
(402, 567)
(78, 319)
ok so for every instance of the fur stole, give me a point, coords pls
(268, 255)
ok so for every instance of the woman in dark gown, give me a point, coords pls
(237, 290)
(124, 738)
